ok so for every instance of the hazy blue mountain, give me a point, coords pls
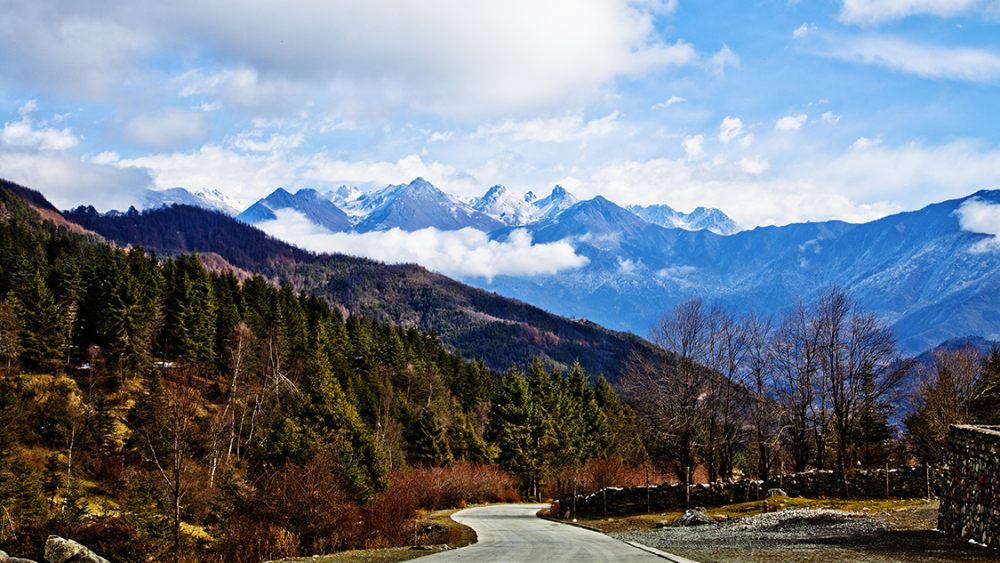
(701, 218)
(316, 208)
(419, 205)
(919, 270)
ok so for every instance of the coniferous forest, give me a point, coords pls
(155, 410)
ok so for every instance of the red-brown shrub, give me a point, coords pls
(449, 487)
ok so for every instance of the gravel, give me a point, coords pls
(810, 536)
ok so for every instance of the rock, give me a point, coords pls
(3, 556)
(694, 518)
(776, 492)
(59, 550)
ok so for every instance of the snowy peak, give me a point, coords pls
(317, 208)
(510, 208)
(557, 202)
(419, 205)
(213, 200)
(702, 218)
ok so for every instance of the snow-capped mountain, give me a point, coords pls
(919, 271)
(419, 205)
(206, 199)
(557, 202)
(508, 207)
(316, 208)
(701, 218)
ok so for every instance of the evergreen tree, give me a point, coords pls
(320, 417)
(427, 445)
(515, 428)
(43, 333)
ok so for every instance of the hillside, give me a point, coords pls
(500, 331)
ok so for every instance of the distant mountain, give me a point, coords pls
(701, 218)
(510, 208)
(557, 202)
(206, 199)
(419, 205)
(316, 208)
(501, 331)
(919, 271)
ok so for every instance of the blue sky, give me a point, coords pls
(773, 111)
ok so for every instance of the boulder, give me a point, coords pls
(694, 518)
(776, 492)
(59, 550)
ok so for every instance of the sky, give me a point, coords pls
(774, 111)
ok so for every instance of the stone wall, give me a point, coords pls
(905, 482)
(970, 503)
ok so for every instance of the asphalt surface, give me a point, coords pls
(512, 533)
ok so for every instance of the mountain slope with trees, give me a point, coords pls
(483, 325)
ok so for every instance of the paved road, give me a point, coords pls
(512, 533)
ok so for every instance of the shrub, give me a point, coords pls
(450, 487)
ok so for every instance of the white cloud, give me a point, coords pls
(693, 147)
(803, 30)
(467, 253)
(673, 100)
(830, 118)
(926, 60)
(725, 57)
(791, 122)
(978, 216)
(167, 128)
(558, 130)
(23, 134)
(67, 182)
(869, 12)
(730, 128)
(248, 141)
(478, 59)
(755, 165)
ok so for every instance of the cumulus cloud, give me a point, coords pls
(926, 60)
(830, 118)
(730, 128)
(693, 146)
(755, 165)
(452, 57)
(559, 130)
(24, 134)
(68, 182)
(978, 216)
(467, 253)
(791, 122)
(870, 12)
(167, 128)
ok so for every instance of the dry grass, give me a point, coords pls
(442, 531)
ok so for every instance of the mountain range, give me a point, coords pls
(920, 271)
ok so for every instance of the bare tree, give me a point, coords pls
(942, 396)
(858, 365)
(794, 358)
(666, 389)
(759, 382)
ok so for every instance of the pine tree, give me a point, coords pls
(516, 429)
(43, 327)
(427, 445)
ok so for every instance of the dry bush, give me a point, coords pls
(597, 473)
(463, 482)
(253, 541)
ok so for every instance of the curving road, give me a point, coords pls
(512, 533)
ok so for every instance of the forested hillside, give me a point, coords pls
(140, 393)
(501, 332)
